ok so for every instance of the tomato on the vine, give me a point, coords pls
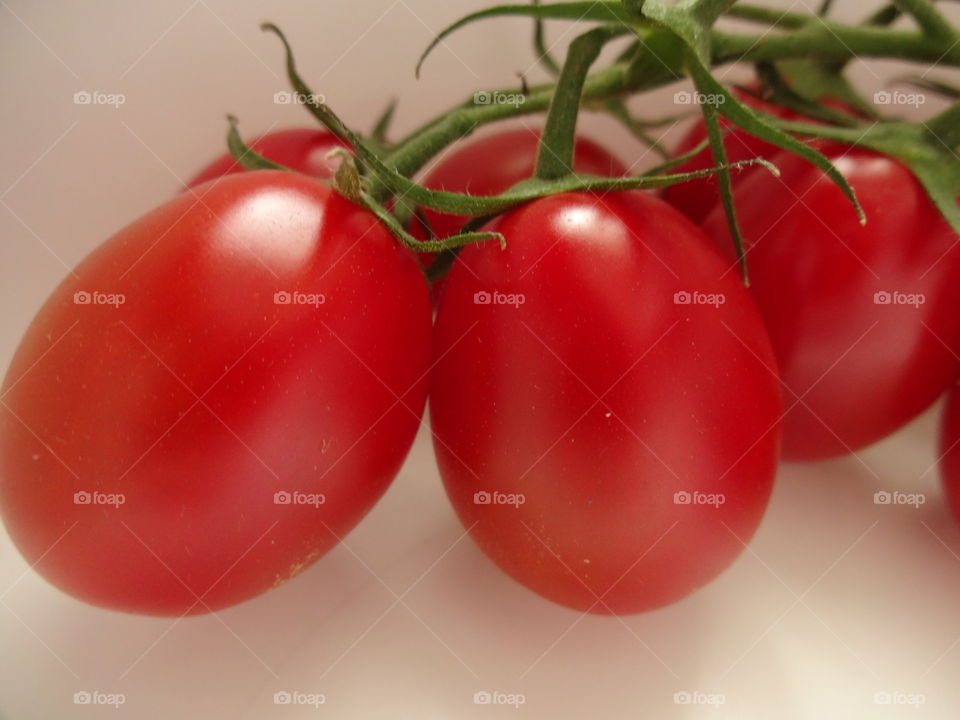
(863, 319)
(302, 149)
(218, 394)
(605, 411)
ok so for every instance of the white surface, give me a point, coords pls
(837, 598)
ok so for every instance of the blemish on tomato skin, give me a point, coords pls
(296, 568)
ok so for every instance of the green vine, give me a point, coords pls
(800, 59)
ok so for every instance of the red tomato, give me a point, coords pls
(219, 393)
(950, 450)
(696, 198)
(605, 414)
(862, 319)
(302, 149)
(493, 164)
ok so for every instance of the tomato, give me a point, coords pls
(696, 198)
(862, 319)
(950, 451)
(302, 149)
(220, 392)
(605, 411)
(495, 163)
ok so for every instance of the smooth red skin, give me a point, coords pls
(696, 198)
(104, 399)
(950, 450)
(814, 271)
(511, 410)
(302, 149)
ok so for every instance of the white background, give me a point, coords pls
(835, 600)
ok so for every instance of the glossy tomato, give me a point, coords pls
(863, 319)
(495, 163)
(604, 403)
(302, 149)
(219, 392)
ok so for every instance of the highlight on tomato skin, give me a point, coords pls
(196, 415)
(305, 150)
(611, 448)
(862, 319)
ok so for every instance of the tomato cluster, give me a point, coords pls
(224, 388)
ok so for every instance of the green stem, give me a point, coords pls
(946, 126)
(540, 47)
(708, 11)
(818, 41)
(929, 19)
(411, 153)
(826, 43)
(884, 16)
(555, 154)
(830, 42)
(769, 16)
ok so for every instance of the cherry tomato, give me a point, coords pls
(302, 149)
(493, 164)
(950, 451)
(605, 411)
(697, 198)
(863, 319)
(219, 393)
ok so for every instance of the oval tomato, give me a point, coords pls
(862, 319)
(302, 149)
(217, 394)
(605, 412)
